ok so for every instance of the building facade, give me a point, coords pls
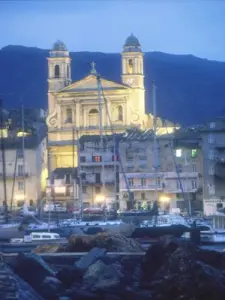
(76, 105)
(99, 171)
(213, 145)
(25, 174)
(172, 174)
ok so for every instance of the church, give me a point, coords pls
(75, 105)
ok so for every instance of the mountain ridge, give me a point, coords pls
(191, 90)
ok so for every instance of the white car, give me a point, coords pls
(54, 208)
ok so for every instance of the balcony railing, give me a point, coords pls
(17, 175)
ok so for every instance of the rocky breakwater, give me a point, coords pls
(170, 269)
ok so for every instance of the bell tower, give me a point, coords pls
(132, 63)
(59, 67)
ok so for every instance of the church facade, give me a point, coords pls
(73, 107)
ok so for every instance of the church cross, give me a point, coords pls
(93, 70)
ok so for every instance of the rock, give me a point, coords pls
(49, 248)
(182, 275)
(79, 294)
(32, 268)
(69, 274)
(153, 261)
(111, 242)
(212, 258)
(102, 277)
(51, 288)
(90, 258)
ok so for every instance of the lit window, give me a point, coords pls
(178, 152)
(96, 158)
(194, 153)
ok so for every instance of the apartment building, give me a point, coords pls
(25, 175)
(63, 187)
(172, 175)
(99, 169)
(213, 145)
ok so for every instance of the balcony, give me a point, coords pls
(98, 182)
(139, 187)
(171, 175)
(12, 175)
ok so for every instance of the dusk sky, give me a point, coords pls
(173, 26)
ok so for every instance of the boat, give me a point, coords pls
(36, 237)
(163, 225)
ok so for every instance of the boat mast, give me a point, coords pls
(3, 162)
(80, 178)
(156, 163)
(23, 154)
(100, 103)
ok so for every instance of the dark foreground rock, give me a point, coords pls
(170, 270)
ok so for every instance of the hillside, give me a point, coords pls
(190, 90)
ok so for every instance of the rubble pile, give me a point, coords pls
(169, 270)
(112, 242)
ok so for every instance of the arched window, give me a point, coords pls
(130, 66)
(120, 113)
(69, 115)
(93, 117)
(57, 71)
(68, 71)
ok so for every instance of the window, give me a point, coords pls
(130, 66)
(194, 153)
(194, 184)
(69, 115)
(211, 154)
(143, 196)
(178, 152)
(20, 185)
(67, 179)
(97, 190)
(68, 71)
(130, 181)
(82, 159)
(210, 138)
(158, 182)
(93, 117)
(84, 189)
(57, 71)
(96, 158)
(211, 170)
(120, 113)
(20, 153)
(20, 170)
(194, 168)
(143, 181)
(212, 125)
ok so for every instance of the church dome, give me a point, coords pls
(59, 46)
(132, 41)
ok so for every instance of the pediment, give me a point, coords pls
(89, 83)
